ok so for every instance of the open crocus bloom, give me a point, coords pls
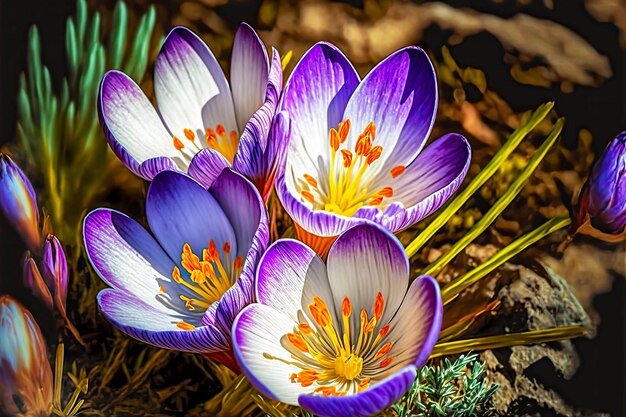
(202, 124)
(355, 148)
(341, 339)
(181, 286)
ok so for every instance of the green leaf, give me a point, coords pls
(118, 36)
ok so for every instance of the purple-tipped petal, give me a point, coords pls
(262, 142)
(179, 210)
(315, 97)
(363, 261)
(190, 86)
(245, 211)
(207, 165)
(257, 331)
(400, 96)
(417, 323)
(157, 325)
(429, 181)
(150, 167)
(249, 70)
(55, 268)
(126, 256)
(130, 122)
(281, 275)
(364, 404)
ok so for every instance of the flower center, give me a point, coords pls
(338, 362)
(208, 278)
(350, 174)
(215, 139)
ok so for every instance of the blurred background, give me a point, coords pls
(515, 55)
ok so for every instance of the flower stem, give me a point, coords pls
(500, 205)
(507, 340)
(450, 291)
(453, 206)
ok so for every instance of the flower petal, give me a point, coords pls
(281, 274)
(249, 70)
(190, 86)
(315, 97)
(207, 165)
(366, 260)
(417, 324)
(126, 256)
(130, 122)
(157, 326)
(366, 403)
(400, 96)
(179, 211)
(434, 176)
(257, 331)
(150, 167)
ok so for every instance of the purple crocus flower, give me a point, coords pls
(602, 203)
(34, 281)
(19, 202)
(356, 146)
(25, 373)
(341, 338)
(181, 285)
(202, 124)
(55, 270)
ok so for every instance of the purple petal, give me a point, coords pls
(363, 261)
(281, 275)
(55, 267)
(417, 323)
(34, 281)
(257, 331)
(157, 326)
(207, 165)
(245, 211)
(366, 403)
(150, 167)
(315, 97)
(179, 211)
(125, 255)
(249, 70)
(18, 202)
(130, 122)
(400, 96)
(190, 86)
(429, 181)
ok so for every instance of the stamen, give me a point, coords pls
(374, 154)
(305, 329)
(346, 307)
(183, 325)
(298, 342)
(347, 158)
(344, 129)
(177, 143)
(364, 384)
(385, 362)
(189, 134)
(383, 350)
(221, 131)
(308, 196)
(334, 140)
(312, 181)
(379, 305)
(396, 171)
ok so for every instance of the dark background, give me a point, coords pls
(600, 383)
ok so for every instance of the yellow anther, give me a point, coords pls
(183, 325)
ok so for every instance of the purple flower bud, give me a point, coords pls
(602, 203)
(34, 281)
(19, 203)
(55, 270)
(25, 373)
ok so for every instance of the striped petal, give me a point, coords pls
(207, 165)
(249, 71)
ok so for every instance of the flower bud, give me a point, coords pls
(601, 210)
(25, 373)
(55, 270)
(34, 281)
(19, 203)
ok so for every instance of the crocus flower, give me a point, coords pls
(19, 202)
(356, 146)
(181, 286)
(55, 270)
(341, 338)
(34, 281)
(25, 374)
(202, 124)
(602, 204)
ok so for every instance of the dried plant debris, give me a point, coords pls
(613, 11)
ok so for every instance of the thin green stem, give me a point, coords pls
(455, 205)
(450, 291)
(507, 340)
(500, 205)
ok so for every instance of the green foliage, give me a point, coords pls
(452, 389)
(60, 139)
